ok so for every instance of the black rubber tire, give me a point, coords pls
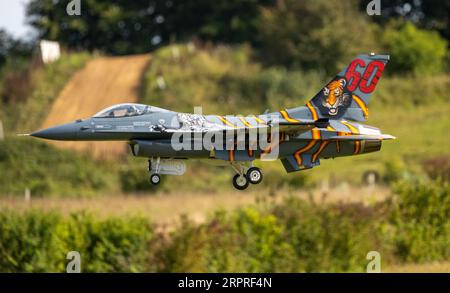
(155, 179)
(238, 185)
(254, 175)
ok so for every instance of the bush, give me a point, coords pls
(437, 168)
(37, 241)
(420, 52)
(293, 237)
(290, 236)
(420, 217)
(297, 236)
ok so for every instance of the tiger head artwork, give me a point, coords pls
(335, 96)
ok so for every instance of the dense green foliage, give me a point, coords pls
(315, 34)
(45, 170)
(429, 14)
(39, 242)
(420, 217)
(413, 50)
(291, 236)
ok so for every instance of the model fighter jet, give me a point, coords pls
(326, 127)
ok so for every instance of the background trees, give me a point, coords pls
(295, 34)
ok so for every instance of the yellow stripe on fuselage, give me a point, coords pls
(245, 122)
(352, 128)
(259, 120)
(287, 117)
(226, 122)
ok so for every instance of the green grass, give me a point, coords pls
(45, 170)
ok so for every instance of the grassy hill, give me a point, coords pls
(222, 80)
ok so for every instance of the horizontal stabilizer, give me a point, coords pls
(363, 137)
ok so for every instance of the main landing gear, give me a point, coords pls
(245, 176)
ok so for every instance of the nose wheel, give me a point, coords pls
(155, 179)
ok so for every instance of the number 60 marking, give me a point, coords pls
(355, 79)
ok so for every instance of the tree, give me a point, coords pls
(315, 34)
(414, 50)
(11, 47)
(427, 14)
(125, 27)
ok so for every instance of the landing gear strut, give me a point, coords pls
(240, 182)
(155, 179)
(245, 175)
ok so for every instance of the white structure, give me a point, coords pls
(2, 132)
(50, 51)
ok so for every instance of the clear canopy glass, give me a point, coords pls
(126, 110)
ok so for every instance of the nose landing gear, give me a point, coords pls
(155, 179)
(154, 169)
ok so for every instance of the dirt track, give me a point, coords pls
(101, 83)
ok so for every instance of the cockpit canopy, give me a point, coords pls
(127, 110)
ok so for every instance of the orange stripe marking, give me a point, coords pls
(312, 110)
(357, 147)
(362, 105)
(315, 133)
(299, 152)
(231, 155)
(354, 130)
(272, 145)
(323, 144)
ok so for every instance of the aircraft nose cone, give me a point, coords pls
(61, 132)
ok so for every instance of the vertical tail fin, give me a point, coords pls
(347, 95)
